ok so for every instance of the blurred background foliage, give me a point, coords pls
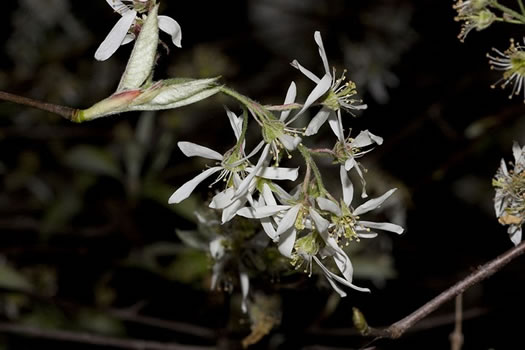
(88, 242)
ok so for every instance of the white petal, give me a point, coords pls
(128, 38)
(386, 226)
(288, 220)
(170, 26)
(245, 286)
(317, 121)
(322, 53)
(321, 224)
(217, 248)
(115, 37)
(247, 180)
(373, 203)
(222, 199)
(269, 229)
(516, 152)
(350, 163)
(366, 138)
(287, 241)
(305, 71)
(261, 212)
(348, 187)
(290, 98)
(516, 236)
(344, 264)
(268, 195)
(320, 89)
(334, 120)
(275, 173)
(235, 122)
(330, 274)
(230, 211)
(328, 205)
(191, 149)
(185, 190)
(289, 142)
(367, 235)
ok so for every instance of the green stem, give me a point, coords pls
(508, 11)
(68, 113)
(247, 102)
(286, 107)
(305, 152)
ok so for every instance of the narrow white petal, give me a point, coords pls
(348, 187)
(288, 220)
(290, 98)
(276, 173)
(169, 26)
(334, 120)
(516, 152)
(350, 163)
(230, 211)
(235, 122)
(267, 194)
(317, 121)
(367, 235)
(245, 286)
(269, 229)
(366, 138)
(115, 37)
(344, 264)
(328, 205)
(321, 224)
(185, 190)
(191, 149)
(287, 241)
(373, 203)
(386, 226)
(222, 199)
(248, 179)
(516, 236)
(330, 274)
(322, 52)
(261, 212)
(320, 89)
(305, 71)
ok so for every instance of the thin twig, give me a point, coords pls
(93, 339)
(63, 111)
(397, 329)
(456, 337)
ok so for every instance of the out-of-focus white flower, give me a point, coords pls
(127, 27)
(509, 201)
(337, 94)
(512, 63)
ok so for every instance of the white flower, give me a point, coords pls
(512, 63)
(234, 169)
(346, 224)
(509, 201)
(338, 95)
(349, 149)
(127, 27)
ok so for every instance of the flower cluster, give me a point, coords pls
(509, 201)
(512, 63)
(307, 224)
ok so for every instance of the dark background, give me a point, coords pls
(85, 228)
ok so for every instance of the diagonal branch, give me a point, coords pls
(397, 329)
